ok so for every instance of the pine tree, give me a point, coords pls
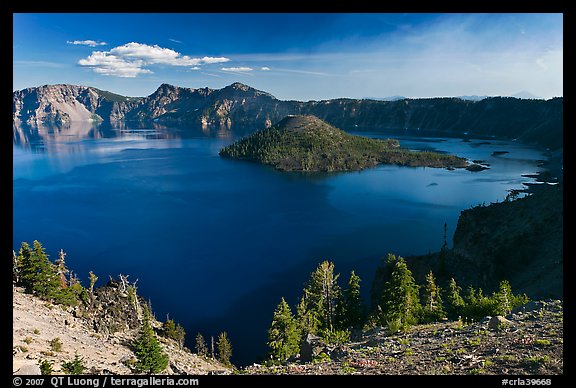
(174, 331)
(283, 335)
(432, 308)
(454, 302)
(401, 295)
(201, 347)
(504, 298)
(382, 275)
(38, 275)
(151, 359)
(322, 293)
(307, 321)
(224, 349)
(350, 309)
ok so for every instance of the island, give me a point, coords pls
(306, 143)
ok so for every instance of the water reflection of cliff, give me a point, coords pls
(62, 138)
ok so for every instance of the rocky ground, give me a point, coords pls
(37, 323)
(527, 342)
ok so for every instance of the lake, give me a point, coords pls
(216, 243)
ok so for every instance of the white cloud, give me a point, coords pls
(195, 68)
(131, 59)
(237, 69)
(175, 40)
(91, 43)
(105, 63)
(265, 68)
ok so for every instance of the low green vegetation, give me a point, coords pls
(46, 367)
(306, 143)
(56, 344)
(74, 367)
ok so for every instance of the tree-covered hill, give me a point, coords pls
(306, 143)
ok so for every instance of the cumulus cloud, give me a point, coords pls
(131, 59)
(265, 68)
(237, 69)
(91, 43)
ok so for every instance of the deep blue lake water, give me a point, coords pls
(216, 243)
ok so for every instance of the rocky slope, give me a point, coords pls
(527, 342)
(519, 240)
(101, 335)
(63, 104)
(242, 108)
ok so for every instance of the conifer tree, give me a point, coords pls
(283, 335)
(38, 275)
(401, 295)
(174, 331)
(307, 321)
(432, 308)
(151, 359)
(201, 347)
(224, 349)
(322, 293)
(454, 302)
(350, 309)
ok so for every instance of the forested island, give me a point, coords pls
(306, 143)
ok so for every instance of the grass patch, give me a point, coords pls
(36, 331)
(475, 341)
(404, 341)
(542, 342)
(56, 344)
(27, 340)
(536, 360)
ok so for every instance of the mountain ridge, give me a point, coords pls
(239, 106)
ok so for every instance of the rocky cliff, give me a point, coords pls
(240, 107)
(519, 240)
(61, 104)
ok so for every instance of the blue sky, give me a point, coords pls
(295, 56)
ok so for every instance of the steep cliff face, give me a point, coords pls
(519, 240)
(240, 107)
(63, 104)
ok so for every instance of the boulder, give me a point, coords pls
(311, 348)
(29, 369)
(497, 322)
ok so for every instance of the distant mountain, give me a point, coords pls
(389, 98)
(526, 95)
(306, 143)
(240, 107)
(472, 98)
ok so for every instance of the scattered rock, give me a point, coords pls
(528, 307)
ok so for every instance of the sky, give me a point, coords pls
(295, 56)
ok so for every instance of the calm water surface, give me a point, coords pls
(216, 243)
